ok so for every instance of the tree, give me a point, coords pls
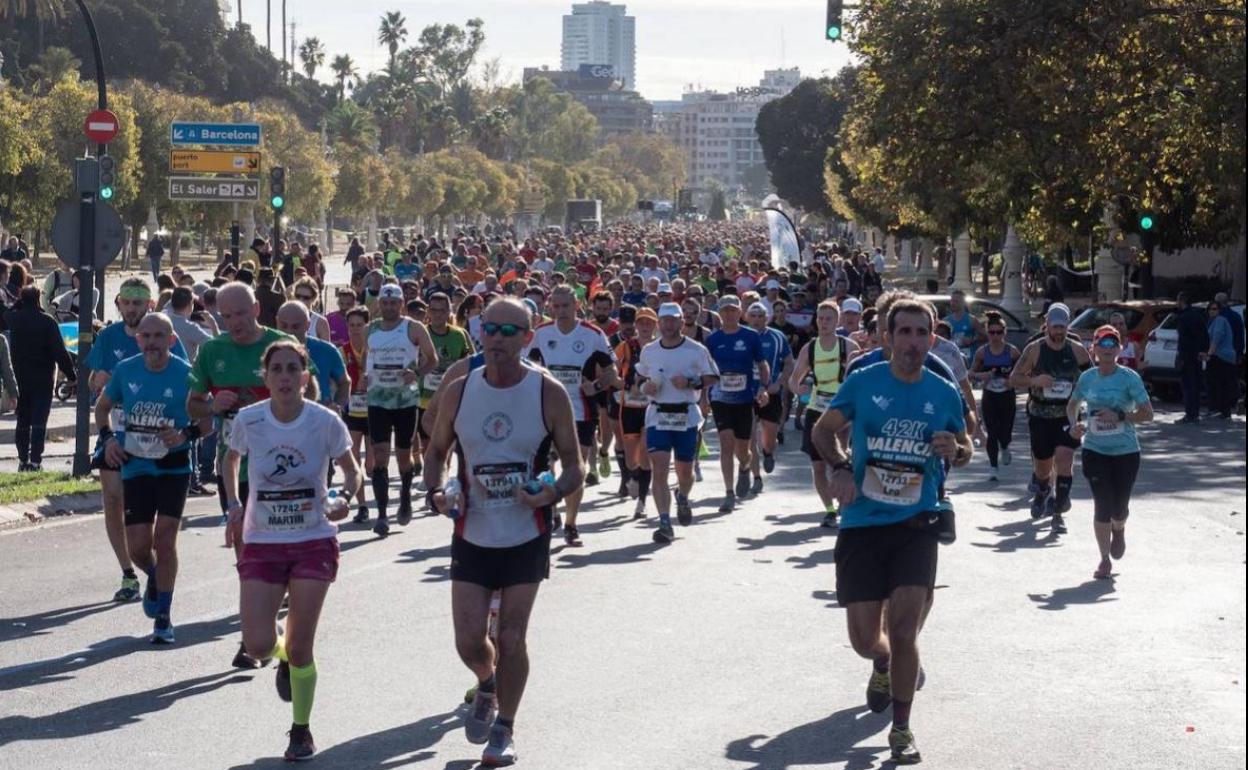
(344, 69)
(651, 163)
(312, 56)
(53, 66)
(795, 132)
(309, 174)
(447, 53)
(549, 123)
(351, 124)
(39, 9)
(392, 33)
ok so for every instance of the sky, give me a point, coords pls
(710, 44)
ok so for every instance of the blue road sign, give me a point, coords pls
(225, 134)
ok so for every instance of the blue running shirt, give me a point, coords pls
(150, 401)
(735, 355)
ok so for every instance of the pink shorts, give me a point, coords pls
(281, 563)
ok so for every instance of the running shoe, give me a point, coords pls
(992, 474)
(604, 465)
(501, 750)
(697, 471)
(632, 488)
(23, 467)
(743, 484)
(769, 462)
(1118, 543)
(1039, 504)
(640, 511)
(905, 750)
(404, 515)
(779, 439)
(382, 527)
(757, 487)
(283, 681)
(243, 660)
(1059, 524)
(162, 630)
(129, 590)
(625, 488)
(830, 520)
(665, 533)
(1061, 506)
(1104, 571)
(556, 522)
(730, 500)
(361, 515)
(150, 604)
(1006, 456)
(479, 718)
(571, 536)
(879, 691)
(1033, 486)
(591, 479)
(684, 513)
(301, 747)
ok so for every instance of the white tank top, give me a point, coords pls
(503, 443)
(389, 354)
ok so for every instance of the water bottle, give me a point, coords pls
(533, 486)
(453, 492)
(335, 502)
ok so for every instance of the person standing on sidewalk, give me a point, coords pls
(155, 253)
(9, 390)
(37, 350)
(1219, 359)
(1193, 341)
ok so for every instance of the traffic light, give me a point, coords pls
(1146, 222)
(108, 175)
(277, 187)
(834, 27)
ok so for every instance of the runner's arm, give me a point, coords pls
(800, 369)
(824, 436)
(350, 473)
(103, 413)
(442, 436)
(1020, 377)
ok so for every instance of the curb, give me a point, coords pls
(15, 515)
(8, 435)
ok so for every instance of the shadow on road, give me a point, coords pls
(417, 555)
(43, 622)
(112, 713)
(626, 555)
(395, 747)
(828, 742)
(1092, 592)
(1016, 535)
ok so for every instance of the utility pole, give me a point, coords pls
(268, 25)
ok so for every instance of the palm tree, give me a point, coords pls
(53, 65)
(44, 10)
(392, 33)
(343, 68)
(351, 124)
(312, 54)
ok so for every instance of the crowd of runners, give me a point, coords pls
(507, 377)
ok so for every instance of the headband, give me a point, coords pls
(135, 292)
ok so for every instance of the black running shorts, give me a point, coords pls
(632, 420)
(872, 561)
(149, 496)
(738, 418)
(1047, 434)
(496, 568)
(774, 409)
(585, 431)
(382, 421)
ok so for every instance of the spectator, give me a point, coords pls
(37, 350)
(1193, 342)
(55, 283)
(1053, 292)
(1236, 322)
(155, 253)
(354, 252)
(8, 383)
(270, 296)
(1219, 359)
(14, 251)
(66, 306)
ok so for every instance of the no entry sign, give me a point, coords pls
(100, 126)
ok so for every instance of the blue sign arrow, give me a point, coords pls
(223, 134)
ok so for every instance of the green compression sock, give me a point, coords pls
(302, 691)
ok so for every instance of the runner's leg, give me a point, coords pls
(470, 611)
(513, 654)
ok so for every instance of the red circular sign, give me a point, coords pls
(100, 126)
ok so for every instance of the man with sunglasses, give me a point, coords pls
(504, 417)
(307, 292)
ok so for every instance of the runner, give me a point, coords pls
(967, 331)
(578, 355)
(332, 383)
(631, 404)
(767, 428)
(115, 343)
(737, 352)
(820, 369)
(602, 306)
(991, 366)
(155, 460)
(353, 353)
(1116, 402)
(504, 419)
(227, 376)
(286, 530)
(399, 353)
(1049, 368)
(627, 330)
(691, 328)
(675, 368)
(451, 344)
(906, 422)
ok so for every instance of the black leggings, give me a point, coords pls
(34, 404)
(1112, 478)
(998, 410)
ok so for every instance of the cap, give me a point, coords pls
(1057, 315)
(730, 300)
(851, 305)
(772, 284)
(390, 291)
(1107, 332)
(199, 288)
(665, 288)
(757, 307)
(648, 314)
(669, 310)
(531, 305)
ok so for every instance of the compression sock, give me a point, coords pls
(405, 488)
(489, 685)
(164, 602)
(302, 691)
(621, 463)
(381, 489)
(1063, 490)
(510, 724)
(880, 666)
(643, 483)
(901, 714)
(128, 572)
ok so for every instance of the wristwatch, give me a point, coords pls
(843, 465)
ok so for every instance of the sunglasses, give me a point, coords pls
(1107, 342)
(507, 330)
(305, 297)
(995, 332)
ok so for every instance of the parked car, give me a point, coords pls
(1142, 316)
(1016, 329)
(1158, 366)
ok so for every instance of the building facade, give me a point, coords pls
(618, 110)
(600, 33)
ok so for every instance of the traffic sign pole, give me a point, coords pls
(86, 248)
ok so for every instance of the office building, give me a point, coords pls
(600, 33)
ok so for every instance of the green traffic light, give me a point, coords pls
(1146, 223)
(106, 193)
(278, 201)
(834, 33)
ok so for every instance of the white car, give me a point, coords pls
(1159, 366)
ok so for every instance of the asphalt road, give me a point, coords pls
(723, 650)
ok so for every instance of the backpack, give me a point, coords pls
(841, 354)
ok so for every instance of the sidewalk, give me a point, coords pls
(60, 425)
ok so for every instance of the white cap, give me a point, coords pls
(851, 305)
(390, 291)
(665, 288)
(758, 307)
(772, 284)
(670, 310)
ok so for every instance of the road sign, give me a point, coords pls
(194, 188)
(110, 235)
(214, 162)
(225, 134)
(100, 126)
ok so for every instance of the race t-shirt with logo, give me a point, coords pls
(1122, 392)
(931, 363)
(736, 355)
(571, 357)
(112, 346)
(451, 346)
(150, 402)
(775, 350)
(675, 408)
(895, 470)
(330, 368)
(391, 352)
(357, 404)
(1050, 401)
(287, 470)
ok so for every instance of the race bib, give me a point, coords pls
(500, 481)
(117, 418)
(357, 405)
(1060, 390)
(285, 510)
(821, 401)
(672, 420)
(386, 376)
(997, 385)
(893, 483)
(733, 382)
(636, 400)
(145, 443)
(568, 376)
(1100, 427)
(433, 380)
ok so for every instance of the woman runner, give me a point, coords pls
(991, 366)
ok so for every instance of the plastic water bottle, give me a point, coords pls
(453, 492)
(334, 501)
(533, 486)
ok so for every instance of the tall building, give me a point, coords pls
(618, 110)
(599, 32)
(717, 130)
